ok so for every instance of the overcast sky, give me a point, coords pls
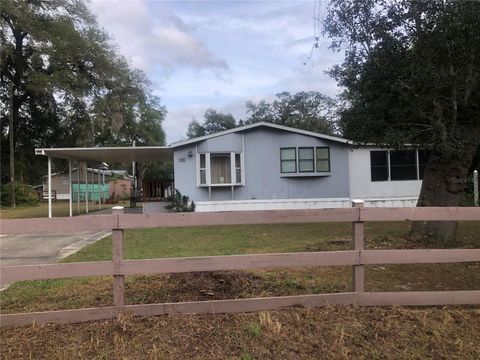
(219, 54)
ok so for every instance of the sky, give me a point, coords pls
(219, 54)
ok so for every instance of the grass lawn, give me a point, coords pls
(342, 332)
(59, 208)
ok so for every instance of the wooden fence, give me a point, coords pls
(358, 257)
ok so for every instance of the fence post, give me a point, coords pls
(358, 230)
(117, 256)
(475, 188)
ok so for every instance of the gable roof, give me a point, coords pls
(256, 125)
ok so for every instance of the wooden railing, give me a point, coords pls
(358, 257)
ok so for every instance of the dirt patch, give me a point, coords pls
(337, 332)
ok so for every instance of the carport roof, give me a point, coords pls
(110, 154)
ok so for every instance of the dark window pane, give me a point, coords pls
(379, 165)
(403, 158)
(239, 176)
(403, 165)
(202, 161)
(378, 158)
(379, 173)
(237, 160)
(203, 177)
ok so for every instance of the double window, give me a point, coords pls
(218, 169)
(398, 164)
(310, 159)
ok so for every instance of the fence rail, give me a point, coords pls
(357, 258)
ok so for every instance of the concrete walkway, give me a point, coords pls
(31, 249)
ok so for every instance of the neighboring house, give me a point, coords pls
(118, 183)
(269, 166)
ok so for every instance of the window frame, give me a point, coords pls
(329, 160)
(208, 169)
(419, 175)
(295, 160)
(313, 159)
(387, 153)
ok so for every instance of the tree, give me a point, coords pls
(214, 121)
(304, 110)
(411, 75)
(70, 86)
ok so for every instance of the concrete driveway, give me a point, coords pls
(31, 249)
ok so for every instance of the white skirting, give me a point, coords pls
(288, 204)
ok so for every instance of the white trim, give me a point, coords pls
(288, 204)
(208, 175)
(233, 169)
(253, 126)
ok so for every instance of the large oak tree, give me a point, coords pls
(411, 75)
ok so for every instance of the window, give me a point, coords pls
(203, 170)
(396, 165)
(288, 160)
(323, 159)
(305, 159)
(379, 165)
(403, 165)
(423, 159)
(238, 169)
(220, 169)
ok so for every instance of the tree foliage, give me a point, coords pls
(307, 110)
(411, 75)
(214, 121)
(411, 72)
(70, 86)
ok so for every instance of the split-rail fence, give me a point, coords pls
(358, 257)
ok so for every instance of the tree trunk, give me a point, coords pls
(12, 147)
(443, 184)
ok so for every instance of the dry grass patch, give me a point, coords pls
(339, 332)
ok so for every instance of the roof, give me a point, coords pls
(110, 154)
(108, 172)
(256, 125)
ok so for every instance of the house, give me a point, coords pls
(117, 184)
(268, 166)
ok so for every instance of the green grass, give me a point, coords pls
(59, 208)
(255, 239)
(244, 239)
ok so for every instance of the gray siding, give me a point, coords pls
(263, 179)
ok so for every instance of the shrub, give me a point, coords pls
(180, 203)
(24, 194)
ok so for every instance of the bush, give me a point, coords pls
(180, 203)
(24, 194)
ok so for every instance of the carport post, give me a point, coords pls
(70, 186)
(78, 188)
(99, 192)
(86, 188)
(49, 187)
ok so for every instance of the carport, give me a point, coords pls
(97, 156)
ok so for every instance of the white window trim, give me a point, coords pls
(233, 173)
